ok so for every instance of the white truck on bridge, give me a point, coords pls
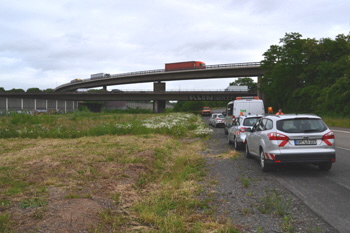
(100, 75)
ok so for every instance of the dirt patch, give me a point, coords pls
(79, 189)
(65, 213)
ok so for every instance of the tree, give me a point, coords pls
(308, 75)
(252, 86)
(49, 90)
(34, 90)
(14, 90)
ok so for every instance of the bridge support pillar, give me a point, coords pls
(158, 105)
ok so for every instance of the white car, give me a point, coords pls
(216, 120)
(278, 139)
(237, 133)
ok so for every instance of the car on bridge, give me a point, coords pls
(100, 75)
(291, 138)
(76, 80)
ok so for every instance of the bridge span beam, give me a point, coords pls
(158, 105)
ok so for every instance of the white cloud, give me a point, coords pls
(48, 43)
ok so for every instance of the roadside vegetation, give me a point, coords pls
(343, 122)
(104, 173)
(308, 75)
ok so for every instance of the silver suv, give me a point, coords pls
(237, 133)
(291, 139)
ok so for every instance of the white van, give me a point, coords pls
(242, 106)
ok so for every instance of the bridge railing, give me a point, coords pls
(218, 66)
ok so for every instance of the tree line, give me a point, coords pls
(29, 90)
(308, 75)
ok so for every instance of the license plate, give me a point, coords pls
(305, 142)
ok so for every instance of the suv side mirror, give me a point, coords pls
(248, 130)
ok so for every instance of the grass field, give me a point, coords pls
(103, 173)
(337, 122)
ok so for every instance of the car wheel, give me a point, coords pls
(236, 145)
(247, 153)
(228, 139)
(326, 166)
(264, 167)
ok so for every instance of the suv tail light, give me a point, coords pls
(242, 129)
(328, 136)
(278, 137)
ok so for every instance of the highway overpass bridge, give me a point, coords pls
(159, 95)
(160, 76)
(248, 69)
(71, 98)
(133, 95)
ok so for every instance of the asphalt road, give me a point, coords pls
(326, 193)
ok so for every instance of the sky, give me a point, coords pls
(47, 43)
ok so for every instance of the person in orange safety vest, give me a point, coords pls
(279, 112)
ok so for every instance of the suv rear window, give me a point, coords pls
(301, 125)
(250, 121)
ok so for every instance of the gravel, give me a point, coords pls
(253, 201)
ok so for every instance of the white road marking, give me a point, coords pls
(340, 131)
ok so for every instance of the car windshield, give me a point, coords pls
(250, 121)
(301, 125)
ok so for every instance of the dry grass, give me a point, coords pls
(91, 169)
(89, 183)
(109, 183)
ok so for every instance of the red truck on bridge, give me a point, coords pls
(186, 65)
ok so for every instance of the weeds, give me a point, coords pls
(83, 124)
(287, 224)
(32, 203)
(245, 182)
(275, 204)
(5, 223)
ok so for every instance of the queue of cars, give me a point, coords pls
(278, 139)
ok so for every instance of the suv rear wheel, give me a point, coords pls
(326, 166)
(228, 140)
(247, 153)
(264, 167)
(236, 144)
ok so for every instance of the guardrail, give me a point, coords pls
(168, 91)
(218, 66)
